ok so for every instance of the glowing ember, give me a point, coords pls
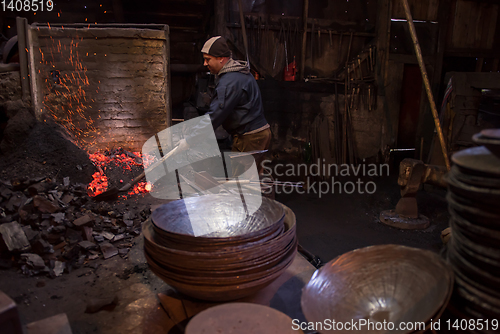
(98, 185)
(141, 187)
(118, 158)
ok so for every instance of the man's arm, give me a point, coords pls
(225, 99)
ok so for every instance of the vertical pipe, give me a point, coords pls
(33, 44)
(418, 52)
(304, 40)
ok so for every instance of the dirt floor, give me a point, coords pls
(112, 295)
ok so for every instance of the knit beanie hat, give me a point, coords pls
(216, 47)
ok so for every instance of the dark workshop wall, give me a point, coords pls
(340, 35)
(294, 110)
(454, 35)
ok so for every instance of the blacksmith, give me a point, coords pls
(236, 103)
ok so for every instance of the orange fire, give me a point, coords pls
(99, 183)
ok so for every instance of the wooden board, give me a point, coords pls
(474, 25)
(422, 10)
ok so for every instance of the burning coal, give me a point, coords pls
(117, 159)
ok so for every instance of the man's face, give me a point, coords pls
(214, 64)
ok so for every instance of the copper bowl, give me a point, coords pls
(228, 268)
(379, 283)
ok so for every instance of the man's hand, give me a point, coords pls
(182, 146)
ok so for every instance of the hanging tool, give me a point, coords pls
(370, 62)
(340, 48)
(276, 48)
(243, 31)
(259, 31)
(312, 43)
(369, 98)
(349, 48)
(319, 42)
(360, 69)
(374, 57)
(330, 33)
(357, 97)
(304, 40)
(251, 33)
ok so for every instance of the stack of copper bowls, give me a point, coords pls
(474, 247)
(214, 248)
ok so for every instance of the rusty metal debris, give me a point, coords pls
(50, 228)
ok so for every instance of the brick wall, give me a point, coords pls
(113, 87)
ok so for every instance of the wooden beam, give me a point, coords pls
(473, 53)
(383, 31)
(325, 31)
(253, 61)
(409, 59)
(304, 40)
(443, 23)
(427, 85)
(494, 2)
(220, 17)
(243, 31)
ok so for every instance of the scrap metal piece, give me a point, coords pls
(14, 237)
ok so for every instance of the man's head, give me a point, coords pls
(216, 54)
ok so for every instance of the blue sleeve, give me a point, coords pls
(223, 103)
(226, 98)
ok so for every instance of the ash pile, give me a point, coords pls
(48, 223)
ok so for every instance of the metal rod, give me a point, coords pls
(401, 149)
(418, 52)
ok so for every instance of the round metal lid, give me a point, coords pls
(477, 159)
(241, 318)
(218, 216)
(490, 138)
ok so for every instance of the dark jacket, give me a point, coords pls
(236, 103)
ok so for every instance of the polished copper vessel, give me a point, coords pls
(386, 283)
(247, 254)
